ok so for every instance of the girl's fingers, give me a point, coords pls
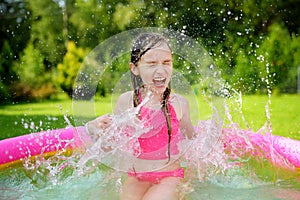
(104, 121)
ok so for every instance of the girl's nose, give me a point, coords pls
(159, 68)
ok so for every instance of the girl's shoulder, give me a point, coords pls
(180, 104)
(126, 95)
(178, 99)
(124, 102)
(177, 96)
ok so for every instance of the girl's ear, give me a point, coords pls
(134, 69)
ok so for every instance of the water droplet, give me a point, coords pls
(32, 126)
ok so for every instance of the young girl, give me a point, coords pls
(166, 115)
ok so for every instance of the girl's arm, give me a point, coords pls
(186, 126)
(124, 102)
(103, 122)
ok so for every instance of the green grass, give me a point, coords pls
(284, 113)
(18, 119)
(284, 110)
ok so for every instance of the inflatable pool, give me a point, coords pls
(281, 151)
(45, 143)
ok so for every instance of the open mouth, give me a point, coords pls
(159, 82)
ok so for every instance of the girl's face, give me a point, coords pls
(155, 68)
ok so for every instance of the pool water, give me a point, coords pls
(103, 183)
(211, 173)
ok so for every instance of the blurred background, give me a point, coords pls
(43, 43)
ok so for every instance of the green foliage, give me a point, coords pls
(34, 82)
(112, 74)
(47, 30)
(6, 61)
(244, 38)
(15, 25)
(125, 13)
(68, 69)
(6, 73)
(246, 76)
(276, 59)
(31, 67)
(4, 93)
(92, 22)
(265, 65)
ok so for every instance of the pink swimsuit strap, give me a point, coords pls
(156, 177)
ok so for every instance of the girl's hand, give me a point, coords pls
(102, 123)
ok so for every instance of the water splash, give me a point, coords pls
(212, 162)
(118, 142)
(233, 171)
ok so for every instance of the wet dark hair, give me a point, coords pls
(144, 43)
(141, 45)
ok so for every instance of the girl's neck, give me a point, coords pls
(155, 98)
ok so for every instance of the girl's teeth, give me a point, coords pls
(159, 81)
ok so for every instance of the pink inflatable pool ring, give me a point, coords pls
(281, 151)
(237, 142)
(45, 143)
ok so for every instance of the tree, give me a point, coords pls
(246, 76)
(31, 69)
(277, 58)
(15, 25)
(6, 72)
(68, 69)
(92, 22)
(235, 33)
(33, 81)
(47, 31)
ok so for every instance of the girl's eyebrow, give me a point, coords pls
(154, 61)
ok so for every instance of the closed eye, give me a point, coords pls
(151, 63)
(167, 62)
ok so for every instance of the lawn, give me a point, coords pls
(19, 119)
(284, 111)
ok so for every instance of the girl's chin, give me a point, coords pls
(159, 89)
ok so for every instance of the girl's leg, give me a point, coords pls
(134, 189)
(167, 189)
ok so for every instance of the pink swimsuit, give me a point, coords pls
(154, 143)
(156, 177)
